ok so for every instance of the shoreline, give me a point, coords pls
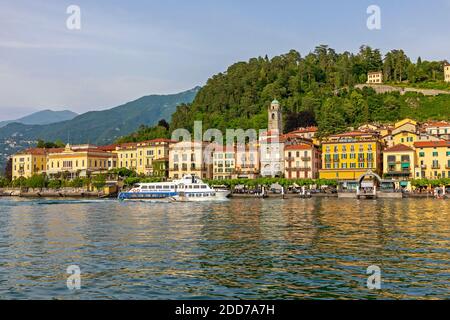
(97, 195)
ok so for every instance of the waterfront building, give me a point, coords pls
(433, 159)
(127, 156)
(247, 162)
(375, 77)
(399, 163)
(302, 161)
(447, 72)
(78, 161)
(29, 162)
(149, 151)
(224, 164)
(161, 168)
(272, 144)
(191, 158)
(349, 155)
(272, 157)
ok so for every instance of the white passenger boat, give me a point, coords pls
(189, 188)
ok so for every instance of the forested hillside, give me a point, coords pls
(316, 88)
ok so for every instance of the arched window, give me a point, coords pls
(273, 116)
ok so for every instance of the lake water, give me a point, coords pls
(239, 249)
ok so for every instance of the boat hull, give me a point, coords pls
(146, 195)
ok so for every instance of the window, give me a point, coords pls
(421, 154)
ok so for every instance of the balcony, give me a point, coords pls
(306, 158)
(436, 166)
(298, 169)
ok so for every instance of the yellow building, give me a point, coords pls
(224, 162)
(146, 153)
(29, 162)
(406, 138)
(375, 77)
(349, 155)
(433, 159)
(302, 161)
(78, 161)
(405, 124)
(191, 158)
(127, 156)
(399, 163)
(447, 72)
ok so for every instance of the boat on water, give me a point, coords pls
(189, 188)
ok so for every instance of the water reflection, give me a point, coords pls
(268, 249)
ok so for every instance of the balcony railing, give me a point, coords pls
(306, 158)
(298, 169)
(436, 166)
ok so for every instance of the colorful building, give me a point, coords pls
(191, 158)
(399, 163)
(349, 155)
(29, 162)
(78, 161)
(247, 162)
(149, 151)
(224, 164)
(302, 161)
(127, 156)
(433, 159)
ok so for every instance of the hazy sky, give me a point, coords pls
(127, 49)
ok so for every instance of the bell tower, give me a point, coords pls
(275, 117)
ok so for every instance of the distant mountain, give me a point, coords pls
(43, 117)
(96, 127)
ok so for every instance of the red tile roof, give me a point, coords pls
(398, 148)
(305, 130)
(432, 144)
(353, 134)
(40, 151)
(111, 147)
(298, 147)
(438, 124)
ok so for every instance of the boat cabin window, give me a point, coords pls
(196, 187)
(204, 187)
(158, 187)
(144, 187)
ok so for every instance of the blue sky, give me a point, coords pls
(127, 49)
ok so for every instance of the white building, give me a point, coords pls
(375, 77)
(447, 72)
(272, 144)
